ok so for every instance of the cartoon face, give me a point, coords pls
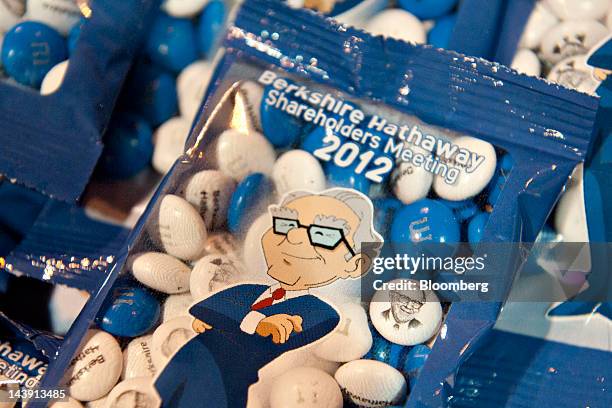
(311, 242)
(571, 38)
(574, 73)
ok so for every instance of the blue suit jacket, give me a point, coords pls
(216, 367)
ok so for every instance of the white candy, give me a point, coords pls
(59, 14)
(222, 243)
(54, 78)
(134, 393)
(352, 338)
(411, 183)
(71, 403)
(406, 317)
(578, 9)
(306, 387)
(211, 273)
(10, 13)
(574, 73)
(398, 24)
(191, 86)
(169, 143)
(341, 291)
(96, 368)
(138, 359)
(572, 37)
(210, 192)
(65, 305)
(570, 216)
(176, 305)
(540, 22)
(526, 62)
(161, 272)
(252, 252)
(246, 116)
(169, 337)
(239, 154)
(303, 357)
(298, 170)
(370, 383)
(181, 229)
(474, 177)
(136, 212)
(183, 8)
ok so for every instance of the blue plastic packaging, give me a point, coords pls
(85, 101)
(441, 88)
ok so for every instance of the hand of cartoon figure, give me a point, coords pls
(280, 326)
(199, 326)
(601, 74)
(324, 6)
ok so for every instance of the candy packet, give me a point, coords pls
(37, 148)
(307, 244)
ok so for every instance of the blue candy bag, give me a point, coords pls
(38, 149)
(398, 147)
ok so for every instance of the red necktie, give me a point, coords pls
(276, 295)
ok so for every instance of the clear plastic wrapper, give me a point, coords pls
(319, 155)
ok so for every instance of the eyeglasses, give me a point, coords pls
(319, 235)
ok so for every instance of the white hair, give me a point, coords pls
(361, 206)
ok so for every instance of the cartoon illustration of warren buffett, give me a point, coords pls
(315, 240)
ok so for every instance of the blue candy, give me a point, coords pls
(387, 352)
(132, 311)
(495, 188)
(74, 34)
(280, 128)
(152, 93)
(384, 210)
(251, 196)
(30, 49)
(172, 42)
(210, 26)
(128, 147)
(409, 360)
(476, 228)
(346, 177)
(313, 140)
(417, 357)
(427, 9)
(425, 222)
(440, 34)
(505, 164)
(463, 210)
